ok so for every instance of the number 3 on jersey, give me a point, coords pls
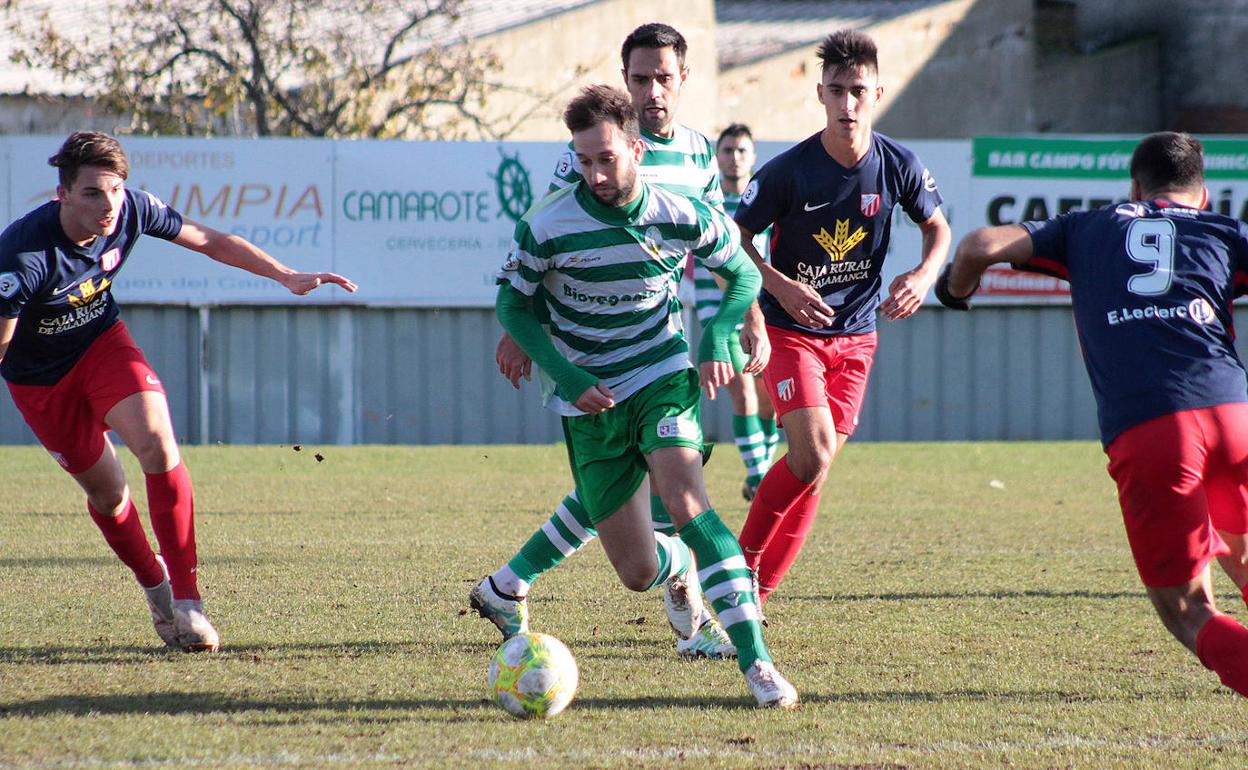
(1151, 242)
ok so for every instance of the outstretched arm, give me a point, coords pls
(239, 252)
(978, 251)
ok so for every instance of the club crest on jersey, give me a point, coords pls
(653, 242)
(511, 263)
(870, 204)
(784, 389)
(9, 285)
(111, 259)
(751, 192)
(839, 244)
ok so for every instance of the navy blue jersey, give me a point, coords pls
(832, 224)
(61, 292)
(1151, 285)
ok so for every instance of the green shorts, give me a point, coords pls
(607, 451)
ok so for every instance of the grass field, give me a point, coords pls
(957, 605)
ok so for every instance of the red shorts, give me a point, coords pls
(68, 417)
(1181, 477)
(809, 370)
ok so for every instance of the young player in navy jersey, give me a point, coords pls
(74, 372)
(830, 199)
(1151, 284)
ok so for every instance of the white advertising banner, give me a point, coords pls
(277, 193)
(1016, 179)
(430, 223)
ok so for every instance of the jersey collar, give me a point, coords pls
(611, 215)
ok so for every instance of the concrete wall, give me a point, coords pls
(565, 52)
(951, 70)
(1066, 100)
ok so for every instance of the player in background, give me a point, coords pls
(680, 160)
(605, 253)
(753, 417)
(1151, 284)
(830, 199)
(74, 371)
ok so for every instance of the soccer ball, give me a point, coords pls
(533, 676)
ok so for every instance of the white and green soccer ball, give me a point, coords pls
(533, 676)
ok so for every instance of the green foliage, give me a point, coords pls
(318, 68)
(957, 606)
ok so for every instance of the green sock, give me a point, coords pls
(674, 557)
(567, 532)
(726, 584)
(772, 431)
(659, 516)
(752, 444)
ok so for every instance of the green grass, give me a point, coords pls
(957, 605)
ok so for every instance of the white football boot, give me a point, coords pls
(509, 613)
(160, 602)
(195, 631)
(770, 689)
(682, 600)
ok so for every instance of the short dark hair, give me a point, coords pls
(602, 104)
(848, 49)
(89, 148)
(1168, 161)
(735, 130)
(655, 35)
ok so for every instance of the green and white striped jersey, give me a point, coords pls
(606, 277)
(706, 293)
(683, 164)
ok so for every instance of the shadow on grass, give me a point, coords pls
(97, 561)
(373, 710)
(364, 709)
(910, 596)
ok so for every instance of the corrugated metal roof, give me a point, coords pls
(74, 18)
(748, 30)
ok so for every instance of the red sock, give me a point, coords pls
(777, 493)
(125, 535)
(172, 508)
(786, 544)
(1222, 646)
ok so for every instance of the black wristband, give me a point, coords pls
(946, 297)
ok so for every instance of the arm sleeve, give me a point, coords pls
(743, 283)
(516, 316)
(763, 200)
(567, 172)
(920, 197)
(155, 216)
(1239, 262)
(1048, 247)
(21, 275)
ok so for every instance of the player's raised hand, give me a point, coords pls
(713, 375)
(802, 302)
(906, 293)
(513, 363)
(596, 399)
(302, 283)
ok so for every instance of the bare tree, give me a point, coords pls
(328, 68)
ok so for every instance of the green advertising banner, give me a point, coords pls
(1067, 158)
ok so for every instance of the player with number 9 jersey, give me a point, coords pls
(1151, 287)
